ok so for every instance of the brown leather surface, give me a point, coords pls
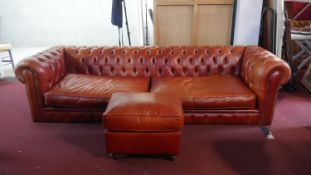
(208, 92)
(47, 68)
(263, 73)
(154, 61)
(224, 117)
(190, 116)
(78, 90)
(65, 115)
(39, 73)
(34, 98)
(165, 143)
(143, 112)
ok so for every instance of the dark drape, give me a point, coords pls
(116, 15)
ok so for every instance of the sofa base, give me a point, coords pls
(222, 118)
(68, 115)
(192, 117)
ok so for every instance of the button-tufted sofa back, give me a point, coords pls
(154, 61)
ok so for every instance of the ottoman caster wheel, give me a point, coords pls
(114, 156)
(171, 158)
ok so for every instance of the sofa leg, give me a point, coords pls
(114, 156)
(171, 157)
(266, 131)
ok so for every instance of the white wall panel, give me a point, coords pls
(32, 23)
(247, 24)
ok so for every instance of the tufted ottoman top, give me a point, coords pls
(143, 112)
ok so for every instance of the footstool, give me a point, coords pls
(143, 123)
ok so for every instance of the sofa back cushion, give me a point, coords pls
(154, 61)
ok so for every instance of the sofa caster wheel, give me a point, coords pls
(171, 158)
(114, 156)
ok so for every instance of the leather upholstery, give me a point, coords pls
(162, 143)
(47, 68)
(39, 73)
(207, 92)
(71, 115)
(261, 71)
(78, 90)
(154, 61)
(143, 123)
(143, 112)
(247, 117)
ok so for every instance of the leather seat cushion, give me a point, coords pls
(143, 112)
(78, 90)
(208, 92)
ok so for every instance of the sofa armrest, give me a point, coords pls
(39, 73)
(263, 73)
(47, 68)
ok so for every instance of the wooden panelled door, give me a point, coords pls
(193, 22)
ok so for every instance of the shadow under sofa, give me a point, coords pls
(216, 84)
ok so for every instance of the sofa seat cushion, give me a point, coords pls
(208, 92)
(79, 90)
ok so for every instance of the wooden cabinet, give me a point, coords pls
(193, 22)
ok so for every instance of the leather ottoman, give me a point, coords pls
(143, 123)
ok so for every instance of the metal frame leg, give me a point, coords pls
(1, 70)
(115, 156)
(266, 131)
(11, 57)
(171, 158)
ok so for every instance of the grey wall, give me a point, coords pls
(32, 23)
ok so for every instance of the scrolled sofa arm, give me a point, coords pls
(47, 68)
(39, 73)
(264, 72)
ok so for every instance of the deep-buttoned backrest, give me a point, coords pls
(154, 61)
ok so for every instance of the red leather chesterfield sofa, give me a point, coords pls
(222, 85)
